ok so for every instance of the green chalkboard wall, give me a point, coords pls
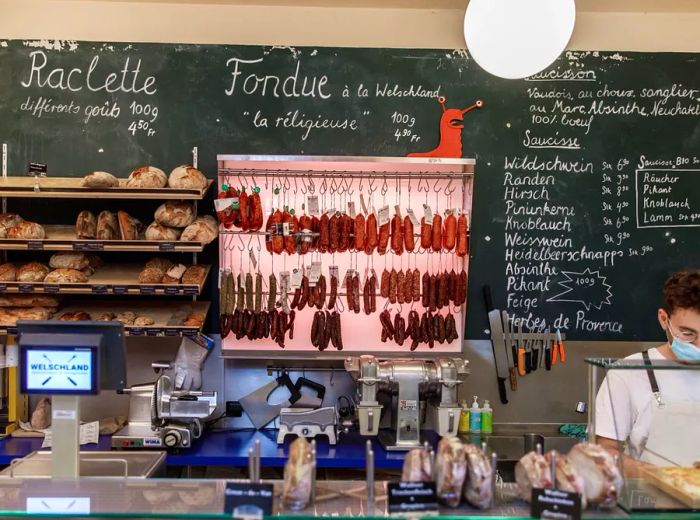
(587, 191)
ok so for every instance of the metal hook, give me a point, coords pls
(324, 187)
(349, 186)
(385, 187)
(296, 186)
(304, 189)
(312, 186)
(448, 191)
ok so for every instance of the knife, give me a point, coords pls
(548, 352)
(521, 351)
(498, 344)
(512, 367)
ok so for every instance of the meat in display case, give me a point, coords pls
(351, 254)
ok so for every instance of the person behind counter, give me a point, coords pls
(657, 412)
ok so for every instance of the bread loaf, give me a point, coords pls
(8, 272)
(27, 231)
(99, 180)
(129, 227)
(8, 220)
(70, 260)
(107, 226)
(160, 232)
(32, 272)
(127, 318)
(194, 275)
(147, 177)
(203, 229)
(105, 316)
(160, 263)
(64, 275)
(187, 177)
(143, 321)
(75, 316)
(174, 213)
(28, 300)
(10, 315)
(194, 319)
(174, 274)
(86, 225)
(151, 275)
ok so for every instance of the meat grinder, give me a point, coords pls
(409, 382)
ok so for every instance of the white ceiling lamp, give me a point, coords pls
(518, 38)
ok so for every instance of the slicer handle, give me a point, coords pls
(313, 385)
(294, 394)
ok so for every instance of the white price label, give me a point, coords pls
(284, 283)
(397, 208)
(315, 273)
(296, 278)
(285, 229)
(222, 204)
(383, 216)
(312, 204)
(428, 215)
(351, 209)
(412, 216)
(331, 211)
(362, 203)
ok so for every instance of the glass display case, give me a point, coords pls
(649, 408)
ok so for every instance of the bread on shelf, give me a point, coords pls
(187, 177)
(147, 177)
(99, 180)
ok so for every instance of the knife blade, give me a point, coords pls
(498, 343)
(510, 348)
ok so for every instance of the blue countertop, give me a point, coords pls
(230, 448)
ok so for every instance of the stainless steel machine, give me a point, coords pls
(162, 417)
(410, 382)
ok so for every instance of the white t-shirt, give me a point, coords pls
(624, 402)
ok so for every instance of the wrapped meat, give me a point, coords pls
(567, 476)
(417, 466)
(532, 471)
(450, 470)
(298, 475)
(478, 486)
(597, 468)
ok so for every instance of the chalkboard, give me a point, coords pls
(586, 191)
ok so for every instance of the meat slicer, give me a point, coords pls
(162, 417)
(409, 382)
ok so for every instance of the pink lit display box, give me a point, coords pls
(296, 216)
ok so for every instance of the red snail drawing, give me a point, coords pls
(450, 131)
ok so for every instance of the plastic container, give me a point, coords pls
(463, 427)
(487, 418)
(475, 417)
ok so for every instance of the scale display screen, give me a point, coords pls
(59, 370)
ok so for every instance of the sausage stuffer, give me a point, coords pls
(411, 381)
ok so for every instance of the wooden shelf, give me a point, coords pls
(62, 238)
(70, 188)
(168, 315)
(119, 279)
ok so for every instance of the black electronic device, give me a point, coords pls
(111, 351)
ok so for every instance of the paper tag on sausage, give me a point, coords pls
(253, 260)
(333, 271)
(397, 208)
(285, 229)
(349, 274)
(222, 204)
(412, 216)
(351, 208)
(295, 281)
(383, 216)
(312, 205)
(331, 211)
(315, 273)
(362, 204)
(428, 215)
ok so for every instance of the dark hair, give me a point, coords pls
(682, 291)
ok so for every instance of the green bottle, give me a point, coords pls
(487, 418)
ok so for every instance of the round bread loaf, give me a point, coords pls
(27, 231)
(175, 213)
(8, 272)
(147, 177)
(32, 272)
(187, 177)
(99, 180)
(160, 232)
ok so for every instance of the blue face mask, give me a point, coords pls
(685, 351)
